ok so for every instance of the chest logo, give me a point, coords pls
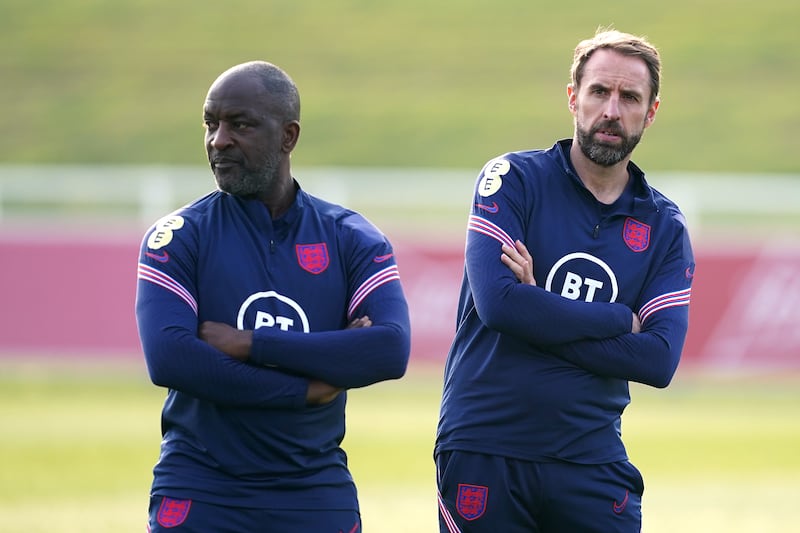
(582, 276)
(272, 310)
(313, 257)
(636, 235)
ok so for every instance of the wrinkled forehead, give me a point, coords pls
(610, 69)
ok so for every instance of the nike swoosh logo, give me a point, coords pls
(163, 258)
(382, 258)
(355, 528)
(619, 507)
(494, 208)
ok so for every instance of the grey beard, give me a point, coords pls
(253, 183)
(603, 154)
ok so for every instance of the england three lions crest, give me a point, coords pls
(172, 512)
(471, 501)
(313, 257)
(636, 235)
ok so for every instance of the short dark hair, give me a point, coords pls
(277, 83)
(623, 43)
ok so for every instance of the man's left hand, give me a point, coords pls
(227, 339)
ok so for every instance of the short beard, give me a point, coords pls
(603, 154)
(254, 183)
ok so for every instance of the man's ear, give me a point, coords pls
(572, 96)
(651, 113)
(291, 133)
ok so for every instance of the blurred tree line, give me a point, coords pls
(404, 83)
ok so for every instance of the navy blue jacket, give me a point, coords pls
(237, 433)
(541, 372)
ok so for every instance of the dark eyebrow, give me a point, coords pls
(627, 92)
(597, 85)
(632, 92)
(230, 115)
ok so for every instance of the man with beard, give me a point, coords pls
(258, 306)
(529, 436)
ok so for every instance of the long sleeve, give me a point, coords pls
(529, 313)
(651, 356)
(357, 357)
(345, 358)
(166, 316)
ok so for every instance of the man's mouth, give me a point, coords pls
(609, 134)
(224, 163)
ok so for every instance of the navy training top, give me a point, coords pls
(240, 434)
(541, 373)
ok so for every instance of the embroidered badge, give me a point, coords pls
(471, 501)
(492, 178)
(313, 257)
(173, 512)
(162, 233)
(636, 235)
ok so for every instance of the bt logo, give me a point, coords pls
(270, 310)
(581, 276)
(266, 320)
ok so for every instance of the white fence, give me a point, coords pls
(141, 194)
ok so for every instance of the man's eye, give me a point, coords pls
(210, 124)
(240, 125)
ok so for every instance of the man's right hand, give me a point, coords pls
(520, 262)
(320, 392)
(636, 327)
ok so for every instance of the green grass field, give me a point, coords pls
(79, 441)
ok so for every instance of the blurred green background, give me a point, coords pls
(414, 84)
(411, 83)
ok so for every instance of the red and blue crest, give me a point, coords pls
(636, 235)
(173, 512)
(313, 257)
(471, 501)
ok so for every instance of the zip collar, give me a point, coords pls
(643, 196)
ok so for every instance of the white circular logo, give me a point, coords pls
(270, 309)
(582, 276)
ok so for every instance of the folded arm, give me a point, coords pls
(178, 359)
(528, 312)
(649, 354)
(370, 349)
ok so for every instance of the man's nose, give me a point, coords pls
(220, 138)
(611, 111)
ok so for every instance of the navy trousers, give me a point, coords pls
(487, 494)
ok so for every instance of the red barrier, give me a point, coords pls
(72, 295)
(75, 296)
(745, 309)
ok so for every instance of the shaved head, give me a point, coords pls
(276, 83)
